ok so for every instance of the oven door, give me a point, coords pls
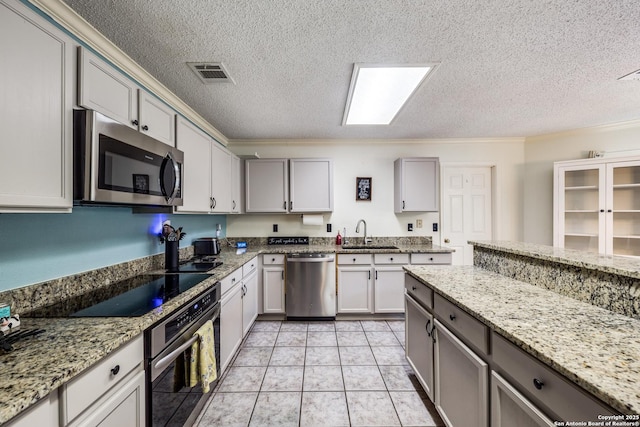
(169, 402)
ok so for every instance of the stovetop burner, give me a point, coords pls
(131, 297)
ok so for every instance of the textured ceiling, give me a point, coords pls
(507, 67)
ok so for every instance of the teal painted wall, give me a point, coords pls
(40, 247)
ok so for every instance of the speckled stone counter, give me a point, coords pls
(610, 282)
(592, 347)
(40, 364)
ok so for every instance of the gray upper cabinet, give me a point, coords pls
(37, 76)
(105, 89)
(416, 184)
(282, 186)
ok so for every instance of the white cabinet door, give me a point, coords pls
(266, 185)
(311, 185)
(37, 76)
(157, 119)
(355, 290)
(104, 89)
(510, 408)
(389, 290)
(273, 289)
(249, 301)
(461, 382)
(419, 343)
(196, 145)
(623, 208)
(42, 414)
(416, 184)
(237, 201)
(230, 324)
(125, 407)
(220, 179)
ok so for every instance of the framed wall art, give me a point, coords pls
(363, 189)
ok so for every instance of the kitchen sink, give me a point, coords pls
(369, 247)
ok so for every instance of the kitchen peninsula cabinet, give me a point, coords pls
(37, 75)
(596, 205)
(45, 413)
(419, 341)
(416, 184)
(105, 89)
(283, 186)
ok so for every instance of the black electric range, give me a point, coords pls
(131, 297)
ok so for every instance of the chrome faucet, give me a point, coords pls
(366, 239)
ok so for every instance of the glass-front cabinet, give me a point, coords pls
(597, 205)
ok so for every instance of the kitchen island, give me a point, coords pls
(589, 346)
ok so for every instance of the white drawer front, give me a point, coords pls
(249, 267)
(391, 258)
(230, 281)
(464, 324)
(273, 259)
(543, 384)
(431, 258)
(82, 391)
(422, 293)
(354, 259)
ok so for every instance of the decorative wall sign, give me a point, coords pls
(363, 189)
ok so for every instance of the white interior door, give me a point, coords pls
(465, 209)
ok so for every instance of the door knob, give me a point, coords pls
(447, 241)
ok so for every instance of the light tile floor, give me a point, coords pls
(342, 373)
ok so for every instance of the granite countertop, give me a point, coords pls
(40, 364)
(605, 263)
(594, 348)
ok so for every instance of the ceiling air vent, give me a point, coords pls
(210, 72)
(632, 76)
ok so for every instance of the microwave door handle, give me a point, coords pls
(176, 175)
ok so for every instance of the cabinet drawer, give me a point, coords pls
(273, 259)
(422, 293)
(354, 259)
(431, 258)
(565, 400)
(230, 281)
(82, 391)
(249, 267)
(465, 325)
(391, 258)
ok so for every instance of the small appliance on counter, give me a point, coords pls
(206, 246)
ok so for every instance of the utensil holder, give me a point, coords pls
(171, 256)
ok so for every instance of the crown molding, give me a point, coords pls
(86, 33)
(611, 127)
(284, 142)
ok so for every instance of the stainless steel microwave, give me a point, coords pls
(115, 164)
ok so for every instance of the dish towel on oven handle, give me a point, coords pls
(202, 363)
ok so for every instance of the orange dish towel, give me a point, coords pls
(202, 363)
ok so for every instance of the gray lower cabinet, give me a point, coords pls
(419, 343)
(461, 381)
(510, 408)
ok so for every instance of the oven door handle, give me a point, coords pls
(166, 361)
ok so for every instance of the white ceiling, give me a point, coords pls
(507, 68)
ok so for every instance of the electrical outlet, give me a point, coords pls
(275, 228)
(435, 226)
(409, 227)
(328, 228)
(418, 223)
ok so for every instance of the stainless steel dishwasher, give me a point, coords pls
(310, 286)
